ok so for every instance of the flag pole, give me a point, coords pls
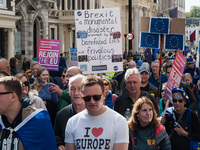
(161, 48)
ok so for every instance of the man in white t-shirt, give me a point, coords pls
(96, 127)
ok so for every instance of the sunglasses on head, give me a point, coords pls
(175, 100)
(106, 84)
(26, 83)
(95, 97)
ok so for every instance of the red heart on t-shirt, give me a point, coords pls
(97, 132)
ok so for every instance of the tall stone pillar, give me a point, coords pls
(140, 11)
(136, 28)
(61, 38)
(11, 48)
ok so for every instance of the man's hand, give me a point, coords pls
(61, 147)
(55, 89)
(180, 131)
(162, 119)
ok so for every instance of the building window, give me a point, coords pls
(88, 4)
(52, 33)
(3, 3)
(68, 4)
(79, 4)
(96, 4)
(83, 4)
(155, 1)
(73, 5)
(63, 4)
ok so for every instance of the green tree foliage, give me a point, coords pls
(194, 12)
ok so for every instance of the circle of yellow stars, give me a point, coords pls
(148, 38)
(158, 24)
(177, 41)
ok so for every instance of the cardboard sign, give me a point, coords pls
(49, 53)
(175, 75)
(177, 25)
(99, 45)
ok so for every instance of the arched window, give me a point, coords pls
(88, 4)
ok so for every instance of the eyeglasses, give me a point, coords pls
(5, 93)
(63, 76)
(106, 84)
(175, 100)
(26, 83)
(95, 97)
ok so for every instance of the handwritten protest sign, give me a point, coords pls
(73, 57)
(49, 54)
(99, 46)
(175, 75)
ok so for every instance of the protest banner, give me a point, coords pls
(99, 46)
(49, 53)
(73, 57)
(175, 75)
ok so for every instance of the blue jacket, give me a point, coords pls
(153, 81)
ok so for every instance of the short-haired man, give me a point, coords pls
(97, 127)
(64, 97)
(145, 85)
(4, 65)
(67, 112)
(154, 77)
(32, 73)
(22, 128)
(193, 102)
(133, 93)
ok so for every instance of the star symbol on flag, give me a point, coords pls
(149, 40)
(159, 26)
(175, 42)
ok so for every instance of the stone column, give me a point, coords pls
(136, 28)
(140, 10)
(61, 38)
(11, 52)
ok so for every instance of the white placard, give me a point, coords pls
(99, 43)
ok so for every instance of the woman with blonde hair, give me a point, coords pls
(145, 132)
(35, 101)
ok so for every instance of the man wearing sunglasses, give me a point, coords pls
(177, 123)
(96, 127)
(21, 126)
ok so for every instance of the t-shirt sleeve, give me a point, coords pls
(122, 132)
(69, 132)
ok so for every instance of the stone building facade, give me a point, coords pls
(54, 19)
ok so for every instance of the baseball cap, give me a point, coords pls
(144, 68)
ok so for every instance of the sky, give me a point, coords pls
(190, 3)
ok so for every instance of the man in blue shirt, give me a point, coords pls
(191, 69)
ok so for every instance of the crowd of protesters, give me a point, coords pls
(122, 110)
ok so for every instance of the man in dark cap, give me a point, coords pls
(191, 69)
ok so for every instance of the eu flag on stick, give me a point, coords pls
(159, 25)
(174, 41)
(149, 40)
(173, 13)
(147, 54)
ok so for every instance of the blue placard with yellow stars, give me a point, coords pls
(174, 41)
(149, 40)
(159, 25)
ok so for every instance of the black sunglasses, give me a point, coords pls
(175, 100)
(63, 76)
(95, 97)
(5, 93)
(26, 83)
(106, 83)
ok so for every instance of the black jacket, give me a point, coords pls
(124, 101)
(151, 89)
(60, 123)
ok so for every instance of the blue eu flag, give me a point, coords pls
(174, 41)
(159, 25)
(149, 40)
(147, 54)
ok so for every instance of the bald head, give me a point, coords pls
(131, 64)
(72, 71)
(4, 65)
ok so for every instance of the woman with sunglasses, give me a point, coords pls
(35, 101)
(108, 96)
(145, 131)
(176, 121)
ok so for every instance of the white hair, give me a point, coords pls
(132, 71)
(72, 79)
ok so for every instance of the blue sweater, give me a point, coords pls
(108, 100)
(44, 94)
